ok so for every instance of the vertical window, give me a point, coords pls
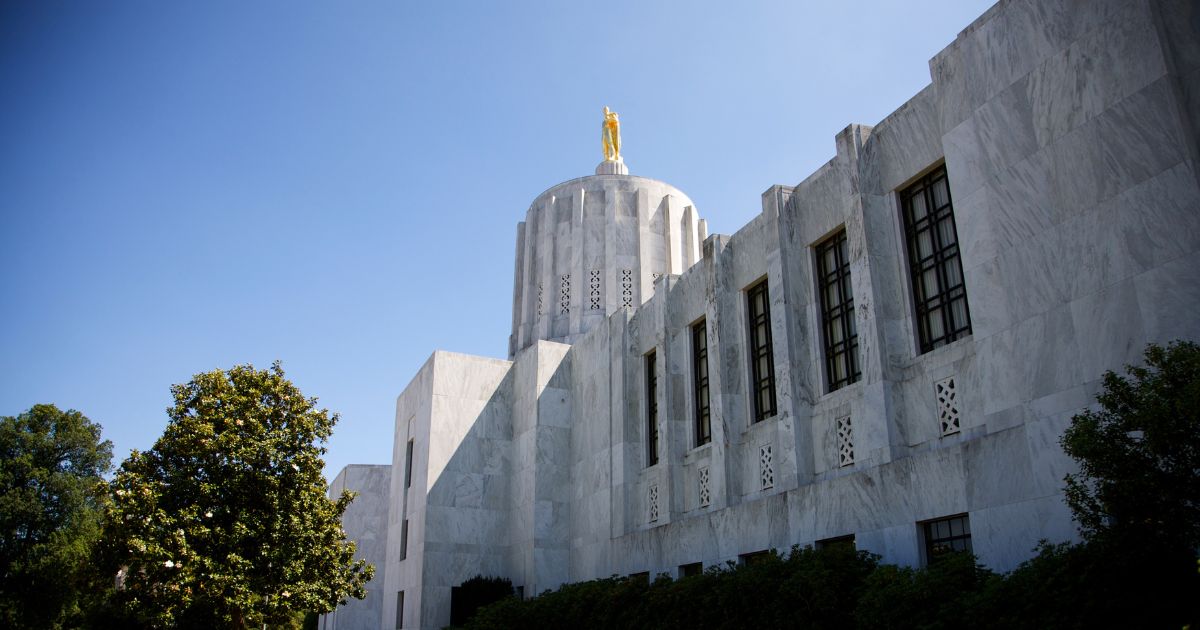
(945, 535)
(837, 313)
(408, 452)
(762, 360)
(651, 411)
(399, 609)
(939, 294)
(404, 540)
(700, 382)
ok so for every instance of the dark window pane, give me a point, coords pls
(946, 535)
(918, 205)
(700, 381)
(941, 195)
(651, 411)
(934, 263)
(837, 311)
(761, 359)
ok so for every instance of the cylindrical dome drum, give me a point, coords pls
(591, 246)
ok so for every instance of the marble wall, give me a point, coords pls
(1068, 134)
(365, 522)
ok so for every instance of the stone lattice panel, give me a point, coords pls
(626, 288)
(947, 405)
(594, 296)
(652, 503)
(766, 467)
(564, 300)
(705, 488)
(845, 442)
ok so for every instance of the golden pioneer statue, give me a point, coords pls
(610, 136)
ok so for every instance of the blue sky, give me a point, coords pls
(193, 185)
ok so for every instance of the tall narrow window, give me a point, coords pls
(651, 411)
(408, 464)
(762, 360)
(700, 382)
(404, 540)
(939, 294)
(399, 609)
(837, 312)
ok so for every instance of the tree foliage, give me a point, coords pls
(51, 463)
(1139, 454)
(225, 522)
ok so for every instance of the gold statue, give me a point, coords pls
(610, 136)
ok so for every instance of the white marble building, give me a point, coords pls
(889, 351)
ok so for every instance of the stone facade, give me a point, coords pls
(366, 521)
(1067, 134)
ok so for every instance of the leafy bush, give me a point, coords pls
(475, 593)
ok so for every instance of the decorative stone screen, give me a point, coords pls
(845, 441)
(564, 299)
(705, 488)
(626, 288)
(595, 303)
(652, 503)
(947, 405)
(766, 467)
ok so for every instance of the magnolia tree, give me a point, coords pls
(225, 521)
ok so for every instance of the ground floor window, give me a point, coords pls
(754, 557)
(688, 570)
(945, 535)
(838, 541)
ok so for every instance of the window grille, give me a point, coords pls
(651, 411)
(762, 360)
(705, 488)
(836, 297)
(945, 535)
(700, 382)
(935, 267)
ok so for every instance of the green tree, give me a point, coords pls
(51, 462)
(1139, 454)
(225, 522)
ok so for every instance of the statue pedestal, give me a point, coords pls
(612, 167)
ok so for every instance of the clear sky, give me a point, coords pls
(192, 185)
